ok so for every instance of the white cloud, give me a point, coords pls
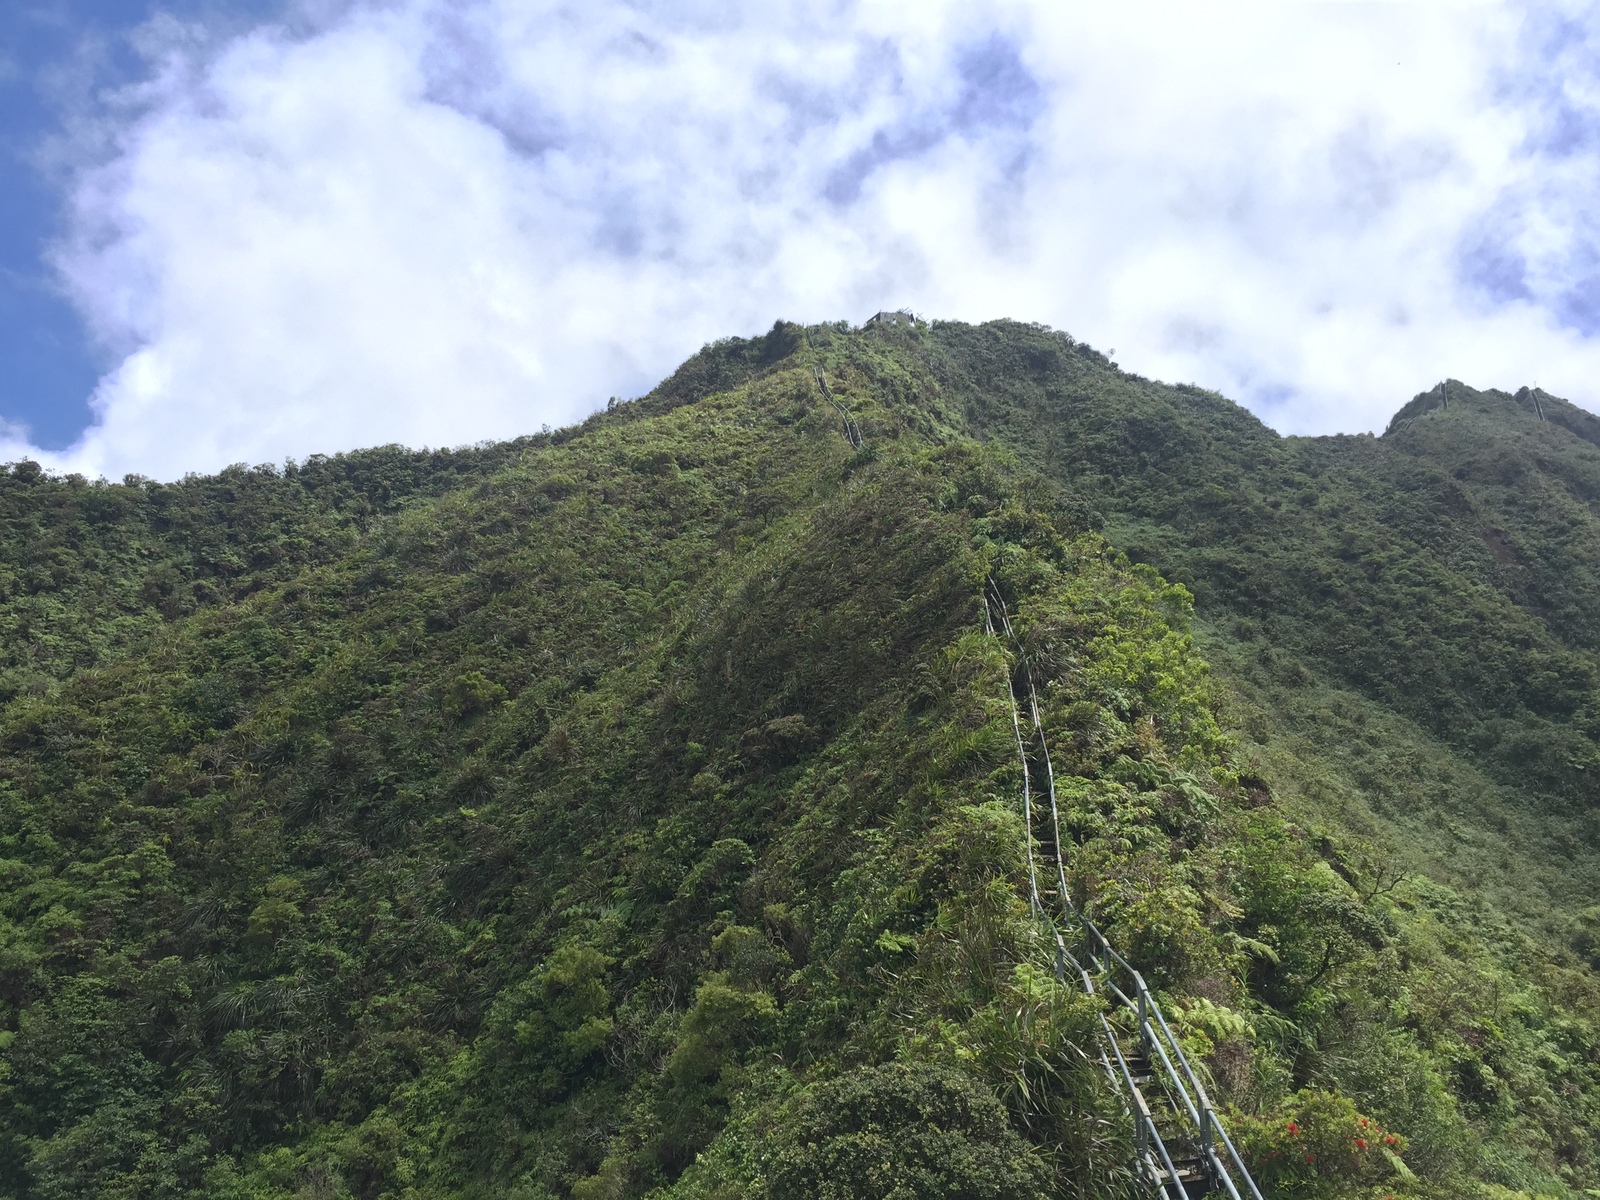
(435, 222)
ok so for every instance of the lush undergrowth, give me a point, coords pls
(633, 810)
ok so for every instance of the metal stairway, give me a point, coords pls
(1180, 1148)
(852, 431)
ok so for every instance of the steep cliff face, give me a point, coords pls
(636, 808)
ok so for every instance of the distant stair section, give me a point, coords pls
(852, 431)
(1180, 1147)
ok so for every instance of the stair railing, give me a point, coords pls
(1185, 1092)
(852, 431)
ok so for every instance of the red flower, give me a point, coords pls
(1362, 1143)
(1294, 1130)
(1308, 1158)
(1389, 1140)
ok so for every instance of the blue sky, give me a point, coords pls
(46, 362)
(56, 57)
(245, 231)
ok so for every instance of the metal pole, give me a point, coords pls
(1144, 1018)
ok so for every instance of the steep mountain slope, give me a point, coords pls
(635, 808)
(1441, 576)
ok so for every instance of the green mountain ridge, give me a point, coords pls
(634, 809)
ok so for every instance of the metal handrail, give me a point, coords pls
(1027, 791)
(852, 431)
(1144, 1123)
(1197, 1105)
(1206, 1104)
(1201, 1111)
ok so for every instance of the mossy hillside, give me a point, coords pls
(641, 815)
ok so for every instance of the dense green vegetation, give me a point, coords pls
(634, 809)
(88, 571)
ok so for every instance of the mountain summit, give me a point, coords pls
(659, 806)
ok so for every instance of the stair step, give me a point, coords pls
(1191, 1178)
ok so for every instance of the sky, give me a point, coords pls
(251, 231)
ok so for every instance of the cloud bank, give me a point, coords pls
(434, 222)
